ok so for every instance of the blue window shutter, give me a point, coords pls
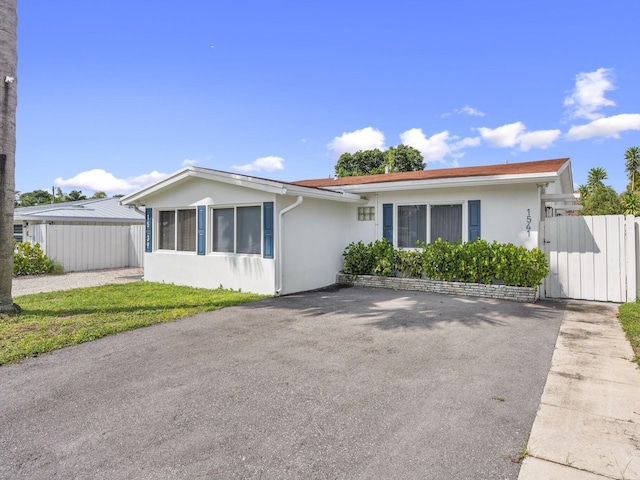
(267, 230)
(202, 225)
(148, 240)
(387, 221)
(474, 220)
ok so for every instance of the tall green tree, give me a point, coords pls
(632, 165)
(8, 104)
(402, 158)
(37, 197)
(596, 176)
(597, 198)
(75, 195)
(363, 162)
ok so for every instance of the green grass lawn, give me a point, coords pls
(630, 319)
(54, 320)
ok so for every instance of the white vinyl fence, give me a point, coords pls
(591, 257)
(79, 247)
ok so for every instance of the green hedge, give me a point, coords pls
(30, 260)
(474, 262)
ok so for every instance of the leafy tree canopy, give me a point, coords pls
(402, 158)
(597, 198)
(42, 197)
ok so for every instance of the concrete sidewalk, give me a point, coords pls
(588, 423)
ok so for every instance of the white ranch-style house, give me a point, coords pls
(209, 228)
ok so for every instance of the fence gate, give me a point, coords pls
(590, 257)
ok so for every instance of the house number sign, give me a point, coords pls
(528, 227)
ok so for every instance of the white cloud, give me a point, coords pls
(188, 162)
(466, 110)
(588, 95)
(605, 127)
(539, 139)
(515, 135)
(268, 164)
(434, 148)
(438, 146)
(103, 181)
(502, 137)
(364, 139)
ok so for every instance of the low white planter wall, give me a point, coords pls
(502, 292)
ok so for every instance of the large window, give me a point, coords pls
(412, 225)
(445, 222)
(237, 230)
(180, 235)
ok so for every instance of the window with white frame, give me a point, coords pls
(445, 222)
(412, 225)
(177, 230)
(366, 213)
(237, 230)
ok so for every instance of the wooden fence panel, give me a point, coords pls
(591, 257)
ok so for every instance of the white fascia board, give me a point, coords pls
(325, 194)
(270, 186)
(558, 196)
(569, 207)
(449, 183)
(45, 219)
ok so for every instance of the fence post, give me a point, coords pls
(630, 257)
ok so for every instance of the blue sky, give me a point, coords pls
(113, 95)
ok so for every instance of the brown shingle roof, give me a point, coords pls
(522, 168)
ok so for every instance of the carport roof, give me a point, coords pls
(106, 210)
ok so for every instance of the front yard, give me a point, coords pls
(59, 319)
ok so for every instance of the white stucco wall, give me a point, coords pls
(314, 236)
(251, 273)
(504, 210)
(246, 273)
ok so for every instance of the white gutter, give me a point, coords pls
(279, 260)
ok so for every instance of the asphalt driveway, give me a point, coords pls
(346, 384)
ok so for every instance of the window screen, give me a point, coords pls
(446, 223)
(249, 230)
(187, 230)
(167, 230)
(223, 230)
(412, 225)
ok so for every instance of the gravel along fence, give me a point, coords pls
(25, 285)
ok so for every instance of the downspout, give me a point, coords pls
(280, 215)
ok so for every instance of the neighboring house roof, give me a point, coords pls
(91, 210)
(487, 174)
(347, 189)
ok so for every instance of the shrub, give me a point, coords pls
(409, 263)
(384, 256)
(476, 262)
(358, 259)
(30, 260)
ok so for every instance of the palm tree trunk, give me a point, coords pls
(8, 104)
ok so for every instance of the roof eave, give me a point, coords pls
(449, 182)
(44, 218)
(269, 186)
